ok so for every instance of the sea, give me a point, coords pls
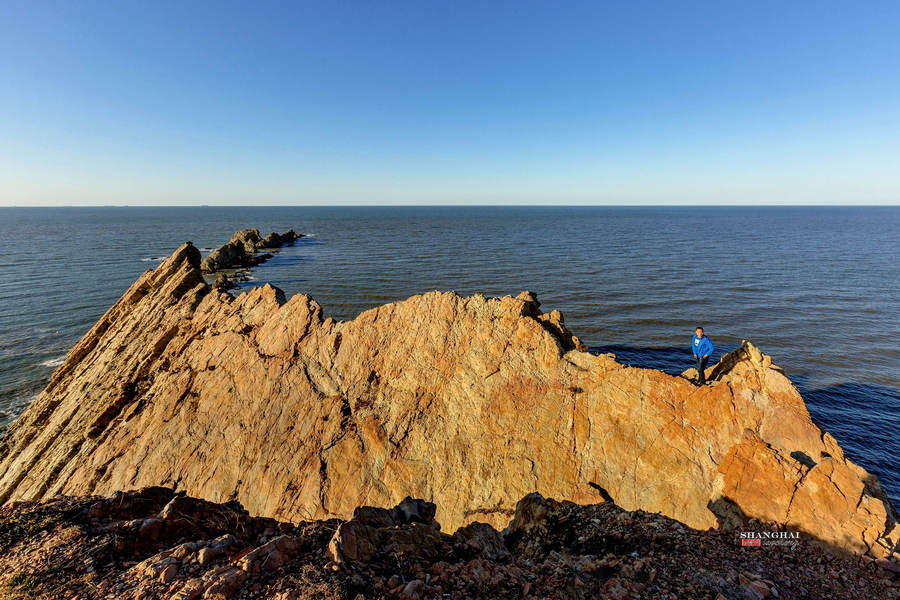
(818, 288)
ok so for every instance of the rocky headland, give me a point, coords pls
(470, 403)
(246, 249)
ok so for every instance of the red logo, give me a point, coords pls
(751, 542)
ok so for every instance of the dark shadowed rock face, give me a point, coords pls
(277, 240)
(469, 403)
(155, 544)
(242, 250)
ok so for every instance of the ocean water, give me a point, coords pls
(817, 288)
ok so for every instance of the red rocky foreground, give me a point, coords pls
(154, 543)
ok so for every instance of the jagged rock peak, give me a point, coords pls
(470, 403)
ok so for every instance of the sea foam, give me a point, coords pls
(54, 362)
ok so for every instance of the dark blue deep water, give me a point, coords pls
(817, 288)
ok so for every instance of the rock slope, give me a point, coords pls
(152, 543)
(471, 403)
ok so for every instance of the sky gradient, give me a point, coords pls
(449, 103)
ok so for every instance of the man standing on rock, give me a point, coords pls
(702, 348)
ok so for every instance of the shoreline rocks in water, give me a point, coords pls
(156, 544)
(223, 282)
(470, 403)
(243, 250)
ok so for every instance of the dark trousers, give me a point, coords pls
(701, 368)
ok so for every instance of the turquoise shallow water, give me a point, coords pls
(817, 288)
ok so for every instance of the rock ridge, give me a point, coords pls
(243, 249)
(470, 403)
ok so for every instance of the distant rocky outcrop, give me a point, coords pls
(153, 544)
(246, 249)
(470, 403)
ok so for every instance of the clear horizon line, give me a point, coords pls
(462, 205)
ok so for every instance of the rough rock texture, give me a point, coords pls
(243, 247)
(470, 403)
(223, 283)
(154, 544)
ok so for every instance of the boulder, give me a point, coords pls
(354, 541)
(408, 530)
(482, 540)
(223, 283)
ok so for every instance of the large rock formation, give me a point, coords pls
(244, 247)
(467, 402)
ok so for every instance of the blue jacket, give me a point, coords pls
(701, 346)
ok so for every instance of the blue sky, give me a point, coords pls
(449, 102)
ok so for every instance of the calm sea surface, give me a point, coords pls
(817, 288)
